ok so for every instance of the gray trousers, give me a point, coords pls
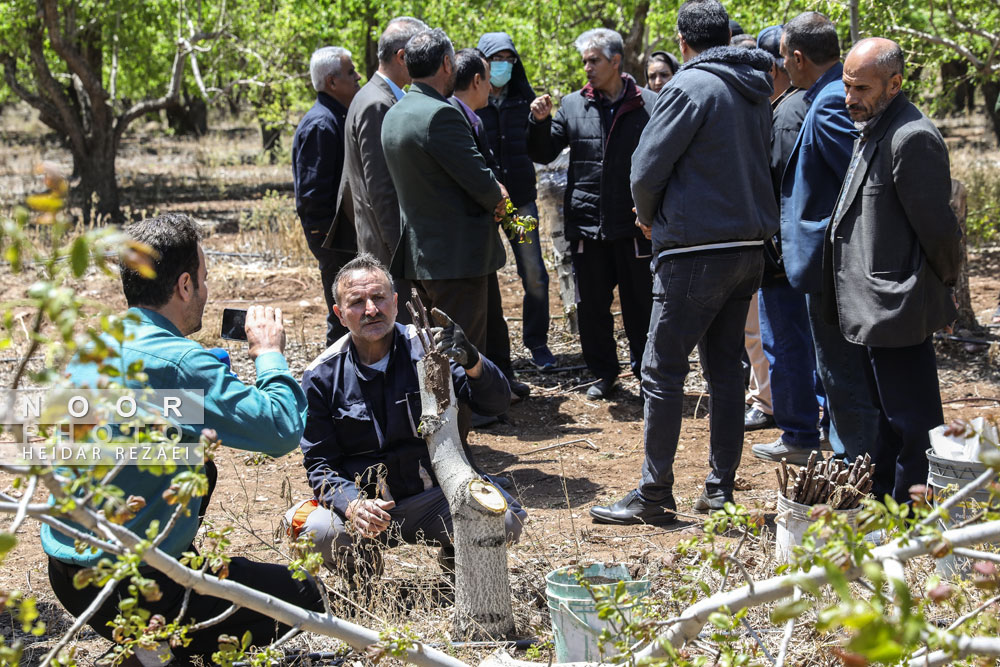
(421, 518)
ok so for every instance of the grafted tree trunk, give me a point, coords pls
(482, 586)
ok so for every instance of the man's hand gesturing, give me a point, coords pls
(541, 107)
(370, 517)
(265, 331)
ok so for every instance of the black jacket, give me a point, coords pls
(317, 164)
(598, 200)
(787, 114)
(506, 125)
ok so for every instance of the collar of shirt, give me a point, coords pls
(835, 73)
(470, 114)
(334, 105)
(396, 90)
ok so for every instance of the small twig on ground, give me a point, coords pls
(972, 399)
(587, 441)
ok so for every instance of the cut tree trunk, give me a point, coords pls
(482, 586)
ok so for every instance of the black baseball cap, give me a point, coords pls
(769, 39)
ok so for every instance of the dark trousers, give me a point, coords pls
(497, 334)
(464, 300)
(330, 262)
(698, 299)
(535, 281)
(841, 367)
(599, 266)
(904, 383)
(788, 346)
(270, 579)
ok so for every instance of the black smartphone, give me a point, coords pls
(234, 323)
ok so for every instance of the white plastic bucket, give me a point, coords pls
(575, 624)
(941, 474)
(792, 522)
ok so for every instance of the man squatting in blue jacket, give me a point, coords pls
(368, 466)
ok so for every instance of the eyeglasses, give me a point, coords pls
(502, 59)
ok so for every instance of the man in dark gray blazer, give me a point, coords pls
(366, 191)
(891, 254)
(449, 199)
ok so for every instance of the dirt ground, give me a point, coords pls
(221, 181)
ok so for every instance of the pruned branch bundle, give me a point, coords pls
(827, 481)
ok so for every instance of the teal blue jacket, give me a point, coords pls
(268, 417)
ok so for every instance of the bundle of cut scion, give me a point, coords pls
(827, 481)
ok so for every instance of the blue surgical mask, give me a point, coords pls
(500, 73)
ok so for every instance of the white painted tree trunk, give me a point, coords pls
(482, 586)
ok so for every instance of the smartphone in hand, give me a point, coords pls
(234, 324)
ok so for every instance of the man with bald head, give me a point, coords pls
(891, 255)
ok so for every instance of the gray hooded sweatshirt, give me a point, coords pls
(700, 173)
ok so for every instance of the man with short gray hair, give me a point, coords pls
(317, 163)
(601, 123)
(366, 191)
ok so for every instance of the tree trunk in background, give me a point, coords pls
(966, 315)
(97, 193)
(955, 78)
(482, 585)
(188, 118)
(991, 90)
(635, 57)
(371, 41)
(270, 140)
(855, 22)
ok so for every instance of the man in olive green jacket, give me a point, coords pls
(449, 199)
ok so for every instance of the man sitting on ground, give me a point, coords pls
(367, 464)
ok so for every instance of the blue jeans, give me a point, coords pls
(698, 299)
(535, 281)
(788, 346)
(843, 369)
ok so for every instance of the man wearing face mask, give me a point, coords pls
(505, 120)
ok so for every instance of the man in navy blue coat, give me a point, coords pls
(317, 164)
(809, 188)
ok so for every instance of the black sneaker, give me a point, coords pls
(632, 510)
(602, 388)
